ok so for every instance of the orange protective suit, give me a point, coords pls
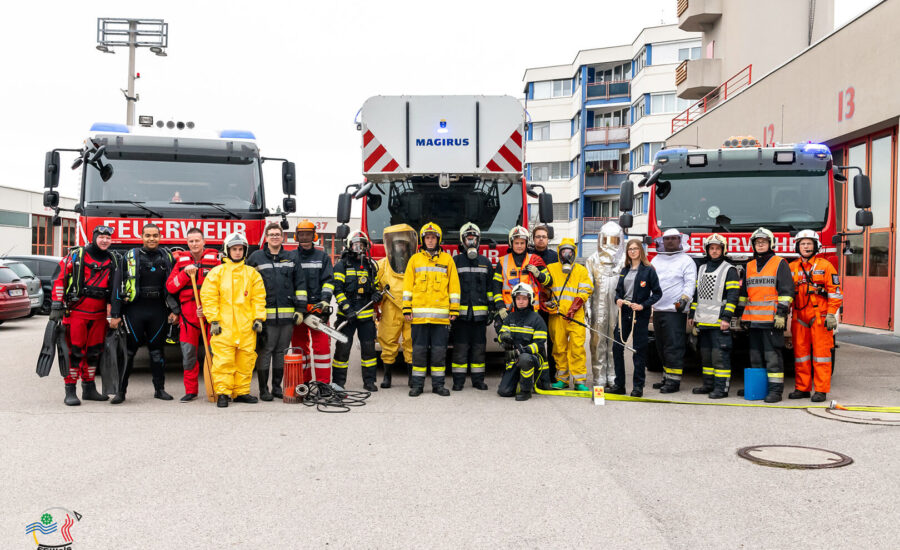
(817, 294)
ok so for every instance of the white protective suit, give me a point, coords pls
(603, 268)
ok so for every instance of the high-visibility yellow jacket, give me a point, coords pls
(431, 288)
(234, 295)
(568, 286)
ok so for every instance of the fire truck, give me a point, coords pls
(446, 159)
(741, 186)
(173, 176)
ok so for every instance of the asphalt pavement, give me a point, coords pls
(469, 470)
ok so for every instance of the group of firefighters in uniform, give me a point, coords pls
(540, 301)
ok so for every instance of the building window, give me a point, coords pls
(560, 211)
(13, 219)
(619, 117)
(639, 203)
(640, 61)
(577, 124)
(667, 103)
(638, 109)
(654, 148)
(41, 235)
(557, 129)
(688, 53)
(546, 89)
(547, 171)
(605, 208)
(68, 235)
(540, 131)
(573, 209)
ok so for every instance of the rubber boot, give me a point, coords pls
(277, 376)
(118, 398)
(438, 388)
(370, 374)
(386, 381)
(720, 390)
(246, 398)
(71, 399)
(582, 387)
(89, 392)
(160, 393)
(659, 385)
(774, 394)
(223, 400)
(262, 376)
(637, 392)
(560, 385)
(478, 381)
(459, 381)
(523, 396)
(670, 387)
(416, 386)
(818, 397)
(616, 390)
(707, 387)
(797, 394)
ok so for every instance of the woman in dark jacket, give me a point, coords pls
(637, 291)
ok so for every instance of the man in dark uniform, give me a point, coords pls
(468, 331)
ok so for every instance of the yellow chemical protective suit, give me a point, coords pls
(233, 295)
(392, 325)
(568, 337)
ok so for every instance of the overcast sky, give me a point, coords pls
(294, 73)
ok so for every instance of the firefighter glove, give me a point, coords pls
(257, 326)
(831, 321)
(576, 305)
(780, 322)
(215, 328)
(502, 313)
(56, 311)
(298, 318)
(377, 296)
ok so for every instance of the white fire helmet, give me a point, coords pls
(236, 238)
(807, 234)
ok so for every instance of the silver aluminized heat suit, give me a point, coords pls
(603, 268)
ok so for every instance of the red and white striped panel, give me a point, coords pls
(376, 158)
(509, 157)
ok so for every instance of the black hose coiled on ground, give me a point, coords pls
(327, 399)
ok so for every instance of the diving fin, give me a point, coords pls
(45, 359)
(109, 362)
(62, 350)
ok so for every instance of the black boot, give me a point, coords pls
(670, 387)
(659, 385)
(339, 377)
(277, 376)
(386, 381)
(440, 390)
(118, 398)
(616, 390)
(223, 401)
(818, 397)
(478, 381)
(262, 377)
(416, 388)
(71, 399)
(161, 394)
(637, 392)
(797, 394)
(246, 398)
(741, 392)
(89, 392)
(707, 387)
(773, 397)
(459, 381)
(523, 396)
(370, 374)
(188, 397)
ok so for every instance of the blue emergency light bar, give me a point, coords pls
(237, 134)
(109, 127)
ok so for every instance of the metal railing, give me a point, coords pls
(593, 225)
(609, 89)
(606, 134)
(604, 180)
(719, 95)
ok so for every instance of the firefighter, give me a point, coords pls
(540, 237)
(197, 261)
(82, 291)
(399, 245)
(571, 289)
(355, 289)
(677, 274)
(715, 300)
(523, 335)
(766, 294)
(817, 300)
(234, 302)
(317, 272)
(468, 331)
(430, 303)
(518, 265)
(285, 305)
(603, 268)
(141, 302)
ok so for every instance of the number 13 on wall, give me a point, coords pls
(846, 104)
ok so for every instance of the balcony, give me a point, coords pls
(718, 95)
(698, 15)
(609, 90)
(593, 225)
(604, 180)
(606, 135)
(697, 77)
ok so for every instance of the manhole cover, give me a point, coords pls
(792, 456)
(858, 417)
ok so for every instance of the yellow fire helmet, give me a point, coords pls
(430, 227)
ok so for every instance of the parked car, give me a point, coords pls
(45, 268)
(35, 290)
(14, 301)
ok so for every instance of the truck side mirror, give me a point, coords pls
(51, 169)
(653, 178)
(341, 232)
(51, 199)
(56, 220)
(663, 188)
(289, 205)
(626, 197)
(862, 191)
(864, 218)
(373, 201)
(545, 207)
(288, 179)
(345, 203)
(626, 220)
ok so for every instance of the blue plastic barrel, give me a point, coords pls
(756, 384)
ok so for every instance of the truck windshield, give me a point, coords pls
(741, 201)
(494, 208)
(166, 174)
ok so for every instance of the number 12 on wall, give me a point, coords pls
(846, 104)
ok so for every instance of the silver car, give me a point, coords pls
(35, 291)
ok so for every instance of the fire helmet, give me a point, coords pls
(519, 232)
(715, 238)
(522, 288)
(358, 237)
(763, 233)
(235, 239)
(807, 234)
(306, 225)
(430, 227)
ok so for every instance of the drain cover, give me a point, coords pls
(858, 417)
(794, 457)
